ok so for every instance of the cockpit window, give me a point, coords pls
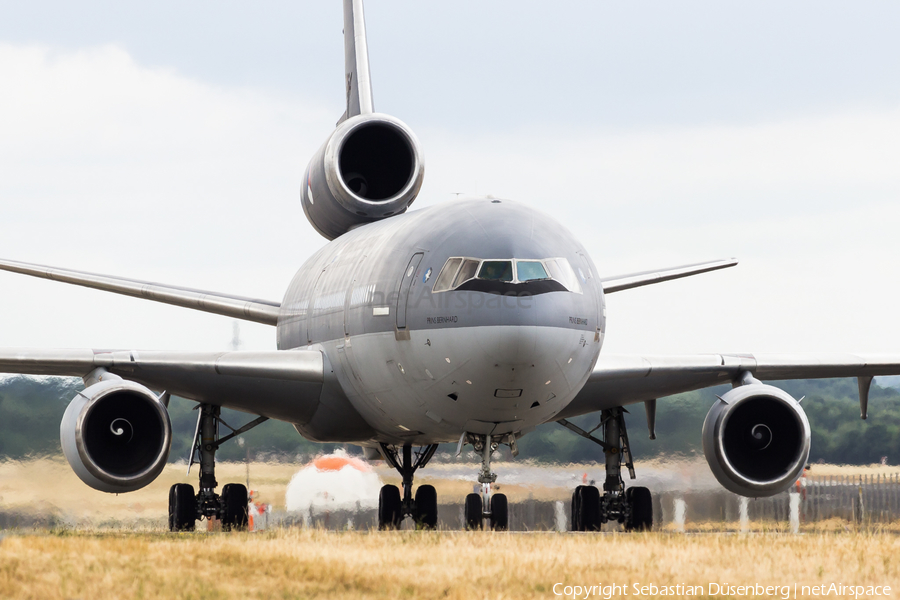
(444, 280)
(496, 270)
(529, 270)
(561, 270)
(556, 273)
(466, 272)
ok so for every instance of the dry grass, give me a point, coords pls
(49, 486)
(84, 561)
(318, 564)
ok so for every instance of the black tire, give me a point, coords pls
(474, 512)
(182, 507)
(590, 508)
(499, 512)
(426, 507)
(172, 508)
(235, 505)
(641, 502)
(576, 509)
(389, 507)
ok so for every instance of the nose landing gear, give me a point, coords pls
(632, 507)
(486, 506)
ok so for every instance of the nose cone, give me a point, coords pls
(513, 346)
(512, 313)
(516, 376)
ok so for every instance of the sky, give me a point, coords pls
(166, 141)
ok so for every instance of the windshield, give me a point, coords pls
(496, 270)
(458, 270)
(529, 270)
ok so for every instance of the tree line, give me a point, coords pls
(32, 408)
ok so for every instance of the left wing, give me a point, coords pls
(284, 385)
(633, 280)
(624, 379)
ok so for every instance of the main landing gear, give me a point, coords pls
(392, 509)
(185, 507)
(633, 507)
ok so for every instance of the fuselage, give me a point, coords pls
(500, 344)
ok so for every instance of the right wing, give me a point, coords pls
(238, 307)
(285, 385)
(618, 380)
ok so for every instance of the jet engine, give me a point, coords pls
(756, 440)
(369, 169)
(116, 436)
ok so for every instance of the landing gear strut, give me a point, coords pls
(185, 508)
(392, 509)
(486, 505)
(632, 507)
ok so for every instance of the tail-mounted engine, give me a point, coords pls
(369, 169)
(116, 436)
(756, 440)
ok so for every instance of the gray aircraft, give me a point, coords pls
(471, 323)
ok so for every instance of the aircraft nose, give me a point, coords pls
(510, 346)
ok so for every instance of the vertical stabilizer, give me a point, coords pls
(356, 61)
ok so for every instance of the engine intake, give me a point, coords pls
(369, 169)
(116, 436)
(756, 440)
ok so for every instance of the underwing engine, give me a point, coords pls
(756, 439)
(369, 169)
(116, 435)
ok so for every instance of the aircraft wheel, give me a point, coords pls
(182, 507)
(474, 510)
(641, 509)
(389, 507)
(590, 508)
(234, 507)
(426, 507)
(499, 512)
(576, 509)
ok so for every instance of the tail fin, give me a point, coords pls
(356, 61)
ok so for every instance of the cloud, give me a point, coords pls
(808, 204)
(111, 166)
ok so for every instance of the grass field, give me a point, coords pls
(318, 564)
(49, 486)
(107, 546)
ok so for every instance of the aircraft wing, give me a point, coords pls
(238, 307)
(284, 385)
(633, 280)
(618, 380)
